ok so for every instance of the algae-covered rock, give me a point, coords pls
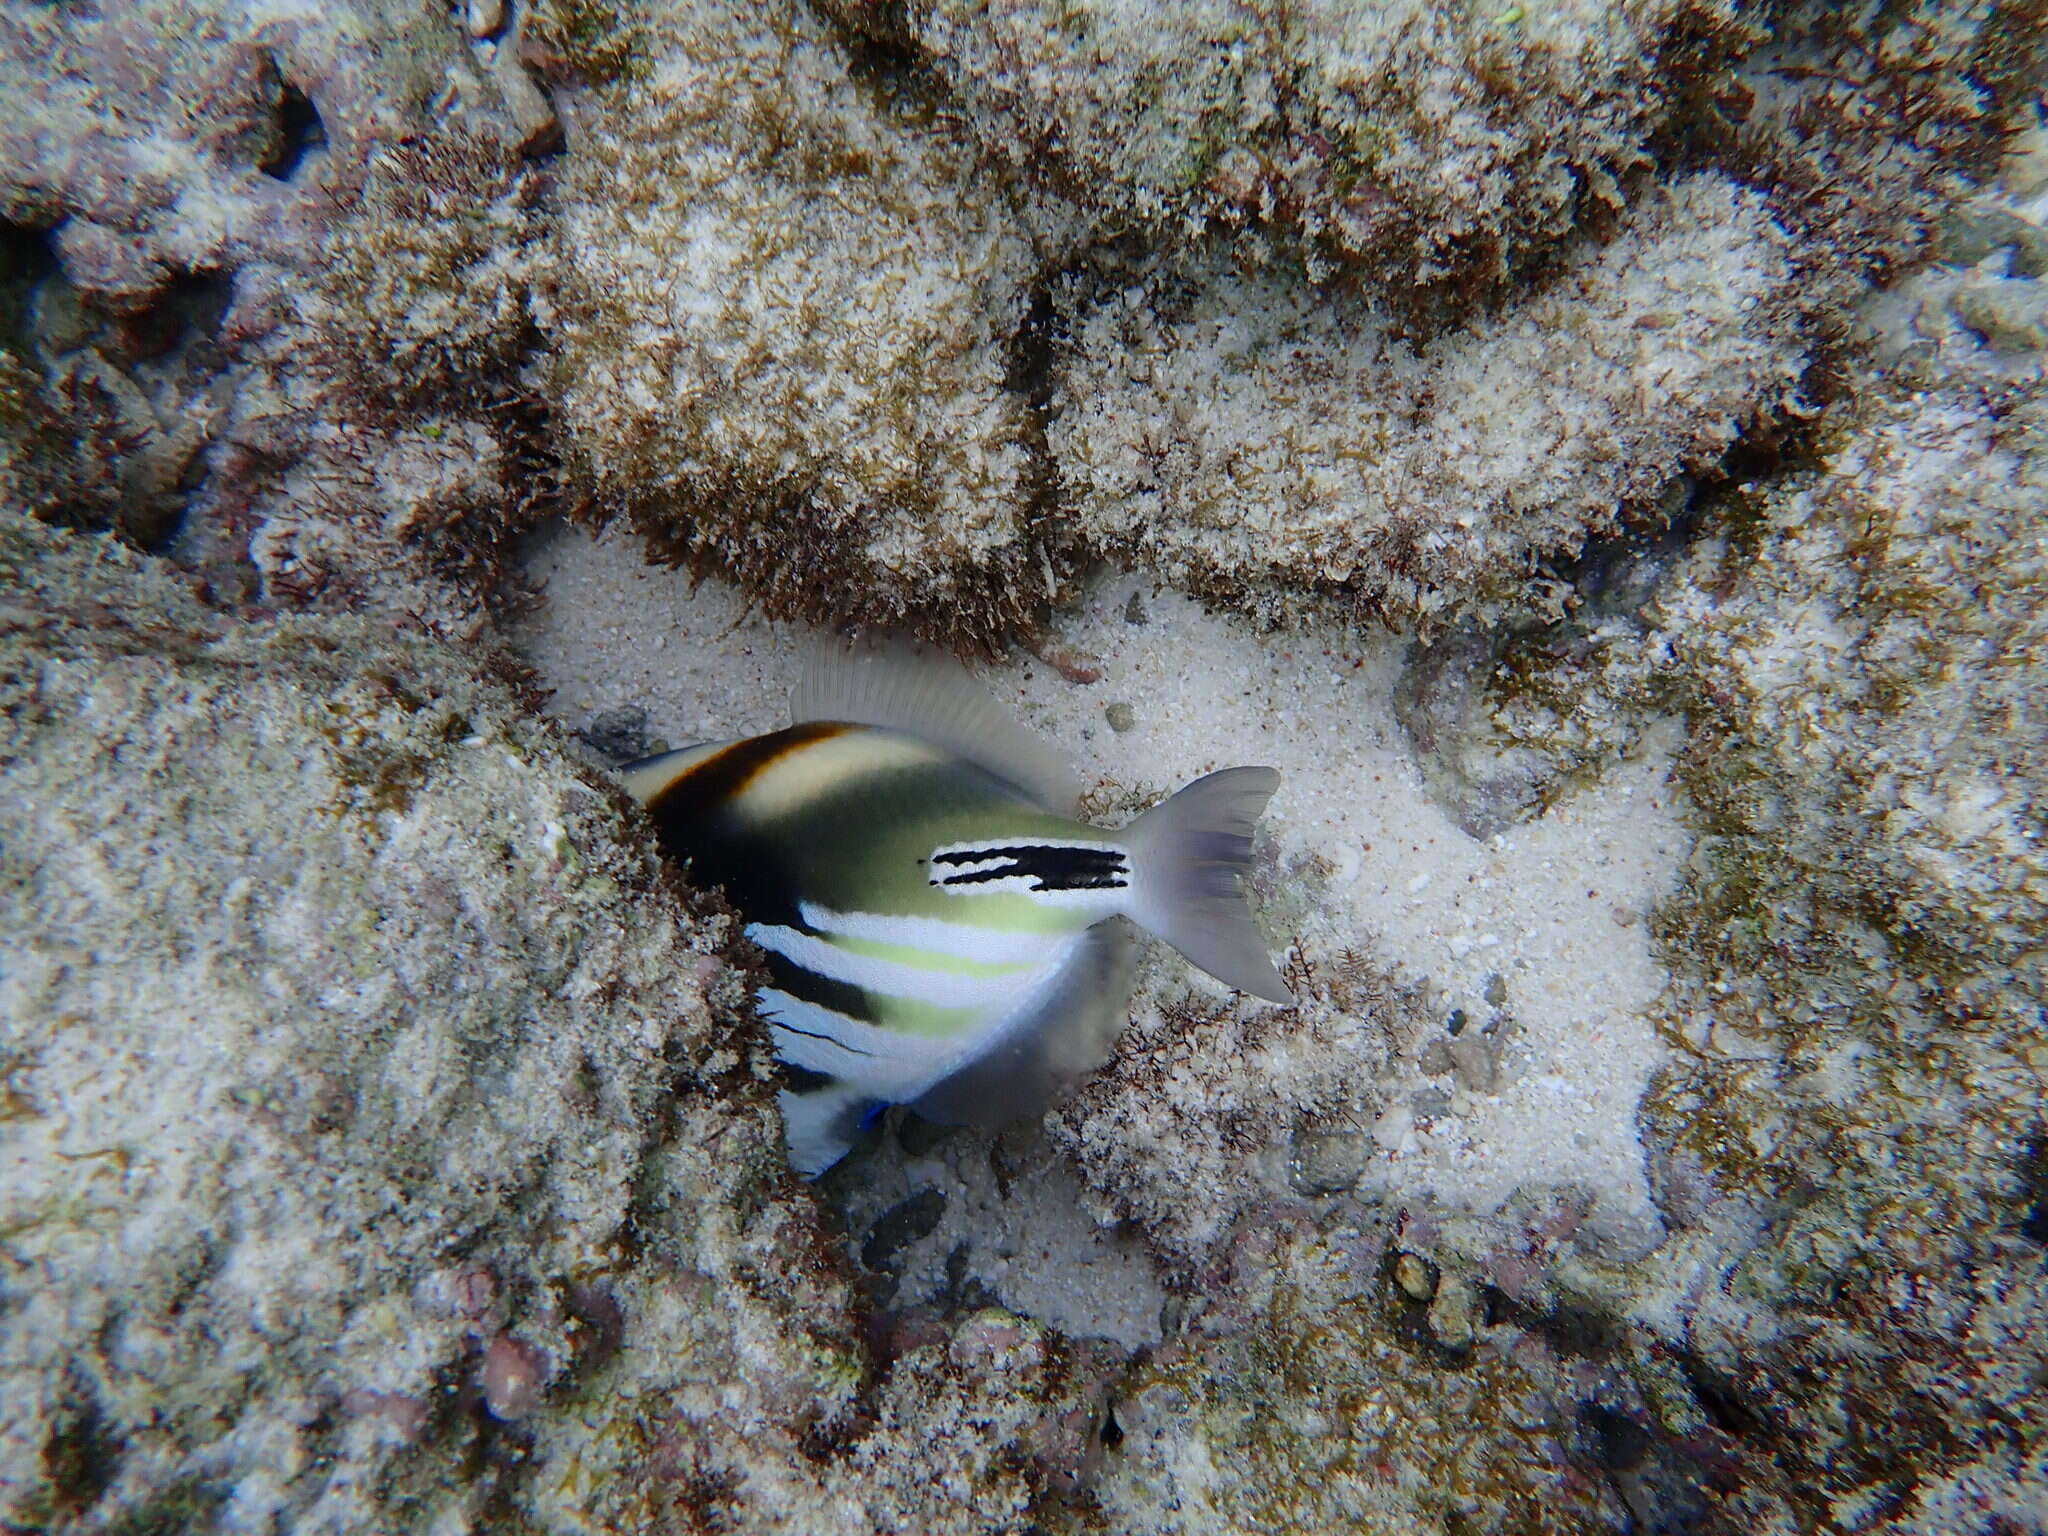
(1261, 441)
(366, 1093)
(381, 422)
(178, 136)
(262, 284)
(1308, 1394)
(1848, 1148)
(781, 323)
(1425, 147)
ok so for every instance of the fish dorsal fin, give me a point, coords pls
(896, 685)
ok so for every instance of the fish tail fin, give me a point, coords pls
(1189, 856)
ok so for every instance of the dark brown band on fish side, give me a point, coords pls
(723, 777)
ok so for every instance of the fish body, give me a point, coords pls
(935, 934)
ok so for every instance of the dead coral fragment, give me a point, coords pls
(781, 333)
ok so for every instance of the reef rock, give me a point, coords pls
(1199, 1111)
(366, 1094)
(1429, 147)
(262, 295)
(388, 1146)
(782, 320)
(1850, 1147)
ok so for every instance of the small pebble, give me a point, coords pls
(1328, 1164)
(486, 17)
(512, 1377)
(1416, 1277)
(1454, 1315)
(621, 735)
(1121, 717)
(1134, 610)
(1075, 666)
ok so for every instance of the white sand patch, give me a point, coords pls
(1553, 909)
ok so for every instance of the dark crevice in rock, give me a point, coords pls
(83, 1453)
(300, 133)
(1574, 1331)
(1112, 1433)
(900, 1226)
(2034, 1191)
(26, 259)
(1620, 1444)
(1717, 1397)
(194, 306)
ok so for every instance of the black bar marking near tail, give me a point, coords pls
(1049, 866)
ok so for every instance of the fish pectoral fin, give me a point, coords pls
(822, 1123)
(1054, 1034)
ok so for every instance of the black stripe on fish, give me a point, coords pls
(800, 982)
(802, 1080)
(1049, 866)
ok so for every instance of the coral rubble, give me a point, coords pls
(1197, 1113)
